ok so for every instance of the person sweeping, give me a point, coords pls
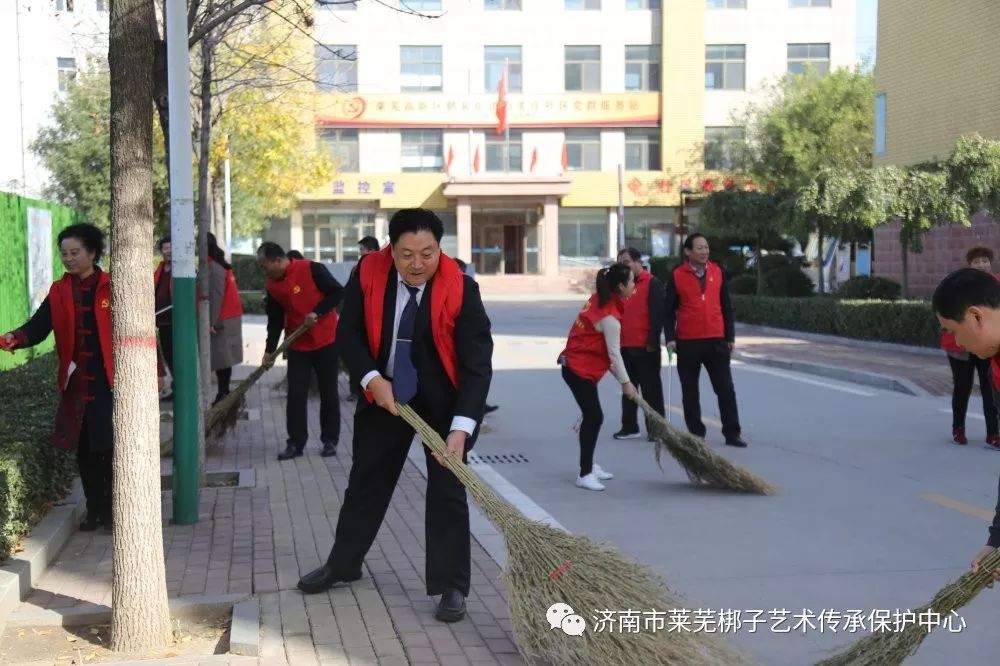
(226, 317)
(592, 348)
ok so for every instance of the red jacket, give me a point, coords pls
(586, 353)
(635, 321)
(231, 304)
(298, 294)
(699, 312)
(446, 303)
(64, 324)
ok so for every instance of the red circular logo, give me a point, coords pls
(354, 108)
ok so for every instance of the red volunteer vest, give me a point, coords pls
(586, 352)
(64, 323)
(699, 313)
(156, 277)
(231, 304)
(635, 320)
(446, 302)
(949, 344)
(298, 294)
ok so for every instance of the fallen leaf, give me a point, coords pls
(94, 631)
(186, 639)
(90, 657)
(71, 639)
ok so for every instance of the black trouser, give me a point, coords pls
(381, 442)
(95, 475)
(962, 372)
(714, 354)
(300, 367)
(223, 377)
(585, 393)
(643, 368)
(167, 347)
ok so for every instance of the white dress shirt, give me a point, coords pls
(463, 423)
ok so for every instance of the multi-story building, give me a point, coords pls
(934, 83)
(407, 107)
(42, 45)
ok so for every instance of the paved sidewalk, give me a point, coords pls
(259, 540)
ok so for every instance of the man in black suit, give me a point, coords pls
(413, 330)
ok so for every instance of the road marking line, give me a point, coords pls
(961, 507)
(805, 380)
(715, 423)
(980, 417)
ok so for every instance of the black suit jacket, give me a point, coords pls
(437, 400)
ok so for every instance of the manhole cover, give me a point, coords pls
(496, 458)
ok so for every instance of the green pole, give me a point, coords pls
(186, 398)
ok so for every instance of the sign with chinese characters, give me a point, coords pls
(706, 185)
(362, 187)
(635, 109)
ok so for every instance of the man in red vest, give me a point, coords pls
(414, 331)
(642, 323)
(163, 298)
(303, 292)
(699, 325)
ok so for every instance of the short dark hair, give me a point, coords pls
(89, 236)
(689, 241)
(163, 241)
(461, 264)
(369, 243)
(633, 253)
(978, 252)
(270, 251)
(963, 289)
(294, 254)
(414, 220)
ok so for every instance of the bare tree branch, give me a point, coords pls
(221, 18)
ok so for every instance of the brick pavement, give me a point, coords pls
(259, 540)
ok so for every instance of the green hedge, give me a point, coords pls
(33, 474)
(253, 302)
(249, 276)
(903, 322)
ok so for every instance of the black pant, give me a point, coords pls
(223, 377)
(585, 393)
(167, 347)
(643, 368)
(300, 367)
(381, 442)
(95, 475)
(714, 354)
(962, 372)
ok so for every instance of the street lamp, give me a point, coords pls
(682, 227)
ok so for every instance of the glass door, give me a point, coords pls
(487, 249)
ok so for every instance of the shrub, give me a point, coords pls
(253, 302)
(33, 473)
(662, 267)
(863, 286)
(249, 276)
(771, 262)
(745, 284)
(902, 322)
(788, 281)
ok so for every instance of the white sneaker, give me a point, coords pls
(601, 474)
(589, 482)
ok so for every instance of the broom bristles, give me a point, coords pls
(891, 648)
(547, 566)
(702, 464)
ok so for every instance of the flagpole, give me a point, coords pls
(468, 92)
(506, 125)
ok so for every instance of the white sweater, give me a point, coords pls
(612, 330)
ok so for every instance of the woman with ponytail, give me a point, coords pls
(225, 317)
(593, 348)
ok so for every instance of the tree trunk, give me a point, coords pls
(760, 265)
(906, 270)
(854, 260)
(140, 618)
(204, 221)
(219, 214)
(821, 282)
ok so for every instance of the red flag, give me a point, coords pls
(565, 158)
(451, 158)
(502, 103)
(475, 161)
(534, 159)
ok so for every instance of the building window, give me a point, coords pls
(583, 150)
(495, 147)
(102, 5)
(420, 68)
(642, 67)
(66, 70)
(337, 67)
(336, 5)
(583, 236)
(496, 58)
(726, 4)
(642, 4)
(420, 5)
(808, 3)
(583, 4)
(503, 4)
(341, 145)
(64, 5)
(583, 68)
(651, 230)
(642, 149)
(725, 66)
(333, 237)
(722, 148)
(803, 56)
(423, 150)
(880, 124)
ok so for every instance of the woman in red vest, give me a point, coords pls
(226, 317)
(964, 367)
(593, 348)
(78, 310)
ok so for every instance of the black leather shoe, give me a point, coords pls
(451, 608)
(91, 523)
(491, 408)
(329, 449)
(737, 442)
(290, 452)
(322, 579)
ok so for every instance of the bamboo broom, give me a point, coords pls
(702, 464)
(546, 566)
(223, 416)
(891, 648)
